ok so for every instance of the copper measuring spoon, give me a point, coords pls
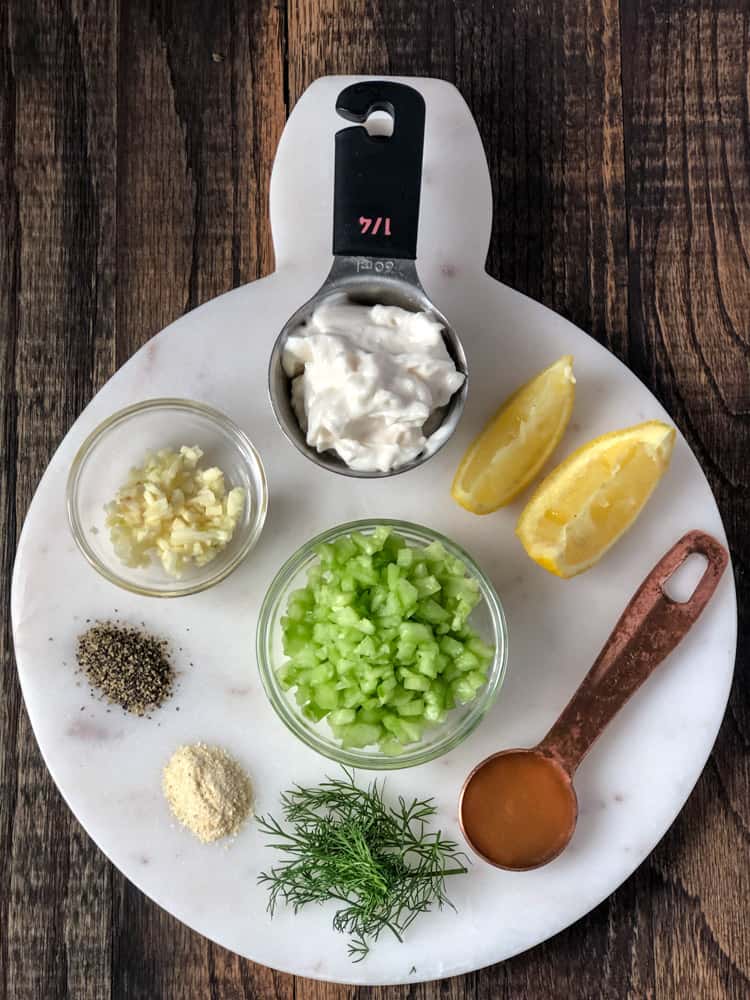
(518, 808)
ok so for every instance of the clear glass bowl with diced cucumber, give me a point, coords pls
(381, 644)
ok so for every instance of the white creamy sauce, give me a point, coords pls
(365, 380)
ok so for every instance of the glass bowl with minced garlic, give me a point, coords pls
(166, 497)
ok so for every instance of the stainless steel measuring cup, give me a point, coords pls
(377, 187)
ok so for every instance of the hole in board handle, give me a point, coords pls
(380, 123)
(682, 583)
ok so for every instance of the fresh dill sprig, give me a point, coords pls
(378, 861)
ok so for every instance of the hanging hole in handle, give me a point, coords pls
(380, 123)
(681, 585)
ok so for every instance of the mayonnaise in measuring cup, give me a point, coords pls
(365, 380)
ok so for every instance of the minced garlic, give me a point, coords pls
(173, 509)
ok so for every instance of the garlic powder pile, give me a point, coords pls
(207, 791)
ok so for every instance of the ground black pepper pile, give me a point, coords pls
(130, 667)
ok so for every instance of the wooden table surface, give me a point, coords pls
(136, 141)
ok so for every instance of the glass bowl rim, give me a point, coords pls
(241, 441)
(373, 760)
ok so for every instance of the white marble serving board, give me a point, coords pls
(108, 765)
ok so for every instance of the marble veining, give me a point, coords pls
(108, 765)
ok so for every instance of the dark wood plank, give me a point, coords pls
(10, 702)
(543, 81)
(135, 148)
(200, 111)
(685, 77)
(57, 266)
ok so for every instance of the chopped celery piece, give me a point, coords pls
(451, 647)
(467, 661)
(393, 725)
(344, 549)
(414, 682)
(371, 715)
(369, 683)
(466, 686)
(480, 649)
(314, 712)
(427, 662)
(325, 553)
(399, 696)
(325, 696)
(432, 612)
(378, 641)
(385, 689)
(342, 716)
(392, 607)
(346, 616)
(296, 611)
(287, 674)
(361, 734)
(387, 623)
(412, 730)
(462, 589)
(306, 658)
(352, 697)
(427, 586)
(415, 632)
(413, 707)
(366, 649)
(434, 714)
(407, 594)
(406, 652)
(405, 558)
(434, 552)
(323, 672)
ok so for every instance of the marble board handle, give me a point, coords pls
(377, 178)
(648, 630)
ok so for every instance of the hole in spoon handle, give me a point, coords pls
(378, 178)
(648, 630)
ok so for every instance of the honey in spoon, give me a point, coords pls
(518, 808)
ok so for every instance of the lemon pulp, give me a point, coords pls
(589, 501)
(517, 441)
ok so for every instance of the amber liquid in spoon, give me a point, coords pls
(520, 809)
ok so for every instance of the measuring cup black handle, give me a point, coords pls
(378, 178)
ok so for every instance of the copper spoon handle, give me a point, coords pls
(648, 630)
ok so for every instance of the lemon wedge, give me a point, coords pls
(517, 441)
(589, 501)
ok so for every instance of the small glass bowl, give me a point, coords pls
(487, 618)
(121, 442)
